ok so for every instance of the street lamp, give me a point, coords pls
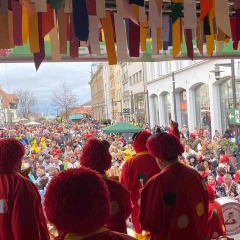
(117, 102)
(217, 77)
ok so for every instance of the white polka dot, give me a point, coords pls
(3, 206)
(183, 221)
(139, 201)
(215, 235)
(114, 207)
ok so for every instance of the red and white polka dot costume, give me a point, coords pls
(216, 226)
(21, 214)
(97, 157)
(135, 174)
(174, 203)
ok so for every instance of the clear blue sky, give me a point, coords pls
(43, 82)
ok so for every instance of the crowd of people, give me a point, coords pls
(96, 186)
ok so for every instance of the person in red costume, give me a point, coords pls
(216, 226)
(174, 203)
(21, 214)
(77, 202)
(96, 156)
(135, 174)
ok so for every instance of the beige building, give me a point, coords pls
(118, 92)
(97, 94)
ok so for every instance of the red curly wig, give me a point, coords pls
(11, 154)
(140, 142)
(225, 158)
(165, 146)
(211, 193)
(77, 201)
(96, 156)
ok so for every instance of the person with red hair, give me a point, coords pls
(225, 160)
(174, 203)
(216, 226)
(77, 203)
(135, 174)
(21, 214)
(96, 156)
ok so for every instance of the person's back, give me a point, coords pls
(18, 196)
(21, 214)
(216, 225)
(120, 206)
(179, 207)
(135, 174)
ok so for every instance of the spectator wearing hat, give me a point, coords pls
(216, 226)
(96, 156)
(135, 174)
(225, 160)
(87, 193)
(21, 214)
(174, 203)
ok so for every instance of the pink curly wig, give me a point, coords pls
(165, 146)
(211, 193)
(77, 201)
(140, 143)
(96, 156)
(11, 153)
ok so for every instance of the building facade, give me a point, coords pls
(201, 100)
(98, 94)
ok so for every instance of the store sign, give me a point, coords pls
(234, 116)
(127, 111)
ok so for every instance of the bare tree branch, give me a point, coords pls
(64, 99)
(27, 102)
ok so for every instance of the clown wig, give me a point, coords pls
(95, 155)
(11, 154)
(77, 201)
(165, 146)
(140, 141)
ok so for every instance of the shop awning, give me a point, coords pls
(75, 117)
(122, 127)
(126, 30)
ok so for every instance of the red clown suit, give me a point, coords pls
(96, 156)
(216, 226)
(78, 203)
(135, 174)
(21, 215)
(174, 203)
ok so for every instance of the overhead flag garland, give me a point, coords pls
(124, 26)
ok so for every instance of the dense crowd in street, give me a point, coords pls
(53, 147)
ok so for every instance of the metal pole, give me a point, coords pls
(113, 110)
(174, 96)
(149, 124)
(132, 105)
(235, 106)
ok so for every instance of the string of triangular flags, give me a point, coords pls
(71, 24)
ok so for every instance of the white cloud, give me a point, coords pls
(46, 80)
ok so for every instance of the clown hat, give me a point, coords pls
(165, 146)
(140, 141)
(77, 201)
(11, 154)
(96, 156)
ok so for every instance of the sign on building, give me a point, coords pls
(234, 116)
(127, 111)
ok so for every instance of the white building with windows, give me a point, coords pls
(201, 100)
